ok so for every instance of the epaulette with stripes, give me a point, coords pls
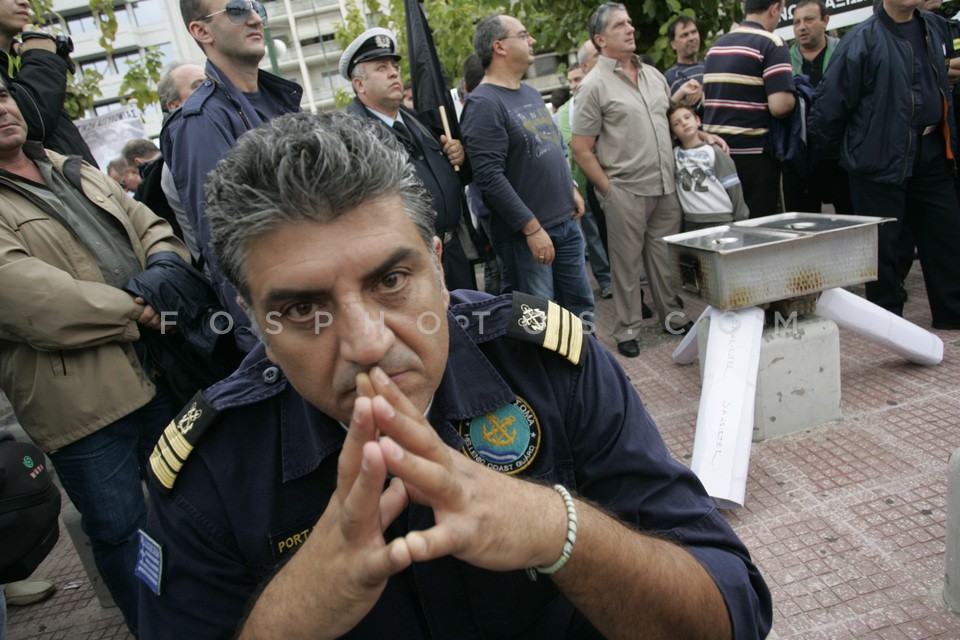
(547, 324)
(178, 440)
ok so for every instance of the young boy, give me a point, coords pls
(707, 183)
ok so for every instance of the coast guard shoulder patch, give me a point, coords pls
(505, 439)
(178, 441)
(547, 324)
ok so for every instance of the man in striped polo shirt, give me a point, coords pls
(747, 80)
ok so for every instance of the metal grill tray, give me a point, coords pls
(774, 258)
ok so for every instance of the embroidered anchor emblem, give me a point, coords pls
(187, 421)
(534, 319)
(497, 434)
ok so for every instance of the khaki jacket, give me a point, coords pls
(67, 361)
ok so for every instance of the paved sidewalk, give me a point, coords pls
(846, 520)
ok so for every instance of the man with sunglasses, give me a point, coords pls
(236, 97)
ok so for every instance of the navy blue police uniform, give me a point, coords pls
(525, 392)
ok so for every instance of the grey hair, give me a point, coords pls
(600, 18)
(306, 168)
(167, 89)
(489, 30)
(585, 52)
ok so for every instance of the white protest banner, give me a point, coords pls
(106, 134)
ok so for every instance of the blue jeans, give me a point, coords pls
(564, 281)
(599, 263)
(101, 475)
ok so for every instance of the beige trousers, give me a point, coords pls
(636, 226)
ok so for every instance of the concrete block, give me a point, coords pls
(798, 383)
(951, 587)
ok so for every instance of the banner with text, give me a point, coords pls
(106, 134)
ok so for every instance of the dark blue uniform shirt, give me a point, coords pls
(257, 482)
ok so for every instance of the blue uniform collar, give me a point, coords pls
(284, 91)
(470, 387)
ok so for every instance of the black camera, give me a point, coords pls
(63, 43)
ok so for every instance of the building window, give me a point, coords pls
(84, 23)
(167, 54)
(120, 60)
(147, 12)
(120, 13)
(100, 65)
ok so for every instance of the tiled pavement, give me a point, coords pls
(846, 520)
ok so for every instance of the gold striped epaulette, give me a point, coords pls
(178, 440)
(547, 324)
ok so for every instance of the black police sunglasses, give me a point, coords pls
(239, 10)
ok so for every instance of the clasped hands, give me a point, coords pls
(482, 517)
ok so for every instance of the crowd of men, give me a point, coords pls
(398, 453)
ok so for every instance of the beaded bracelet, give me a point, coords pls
(568, 543)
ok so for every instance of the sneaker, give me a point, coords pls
(25, 592)
(629, 348)
(607, 291)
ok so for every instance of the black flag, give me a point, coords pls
(430, 88)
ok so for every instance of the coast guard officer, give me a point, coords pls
(400, 461)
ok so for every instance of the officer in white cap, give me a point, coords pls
(371, 63)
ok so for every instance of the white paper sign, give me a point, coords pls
(721, 447)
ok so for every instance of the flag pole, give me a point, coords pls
(446, 129)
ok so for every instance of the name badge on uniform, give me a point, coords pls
(506, 439)
(285, 543)
(149, 562)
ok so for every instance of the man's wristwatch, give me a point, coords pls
(64, 43)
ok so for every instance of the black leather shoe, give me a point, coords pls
(680, 331)
(629, 348)
(645, 312)
(947, 326)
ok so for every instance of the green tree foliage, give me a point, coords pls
(558, 25)
(451, 21)
(140, 80)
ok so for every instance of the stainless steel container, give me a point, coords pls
(774, 258)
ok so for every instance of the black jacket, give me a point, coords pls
(150, 192)
(444, 184)
(201, 350)
(868, 103)
(40, 87)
